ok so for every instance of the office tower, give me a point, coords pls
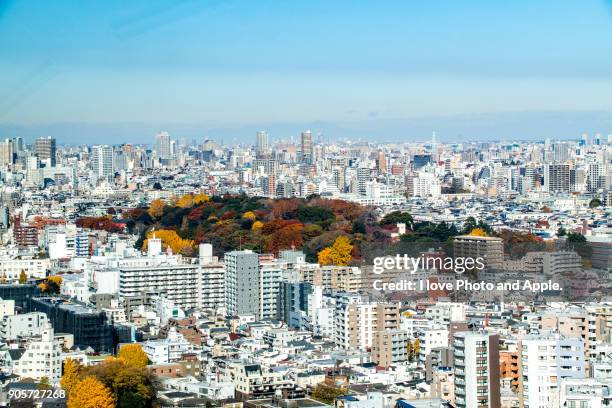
(421, 160)
(546, 360)
(102, 161)
(476, 370)
(339, 178)
(363, 176)
(6, 152)
(560, 152)
(163, 145)
(18, 145)
(584, 140)
(489, 249)
(45, 150)
(381, 162)
(242, 277)
(595, 177)
(261, 146)
(557, 178)
(307, 147)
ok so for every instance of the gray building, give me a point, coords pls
(242, 282)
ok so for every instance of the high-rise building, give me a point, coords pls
(241, 284)
(356, 321)
(595, 177)
(476, 370)
(212, 275)
(545, 361)
(261, 146)
(557, 178)
(163, 145)
(102, 161)
(45, 150)
(381, 162)
(307, 147)
(6, 152)
(560, 152)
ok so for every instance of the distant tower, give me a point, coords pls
(262, 143)
(381, 162)
(102, 161)
(434, 143)
(307, 147)
(45, 150)
(163, 146)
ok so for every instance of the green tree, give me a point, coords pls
(327, 394)
(396, 217)
(44, 384)
(594, 203)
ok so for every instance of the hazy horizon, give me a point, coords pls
(387, 70)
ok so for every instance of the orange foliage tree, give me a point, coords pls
(170, 239)
(339, 254)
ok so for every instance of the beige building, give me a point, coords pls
(390, 347)
(491, 249)
(357, 321)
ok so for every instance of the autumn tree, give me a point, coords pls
(133, 355)
(338, 254)
(23, 277)
(410, 350)
(156, 208)
(249, 215)
(185, 201)
(257, 225)
(90, 393)
(70, 378)
(478, 232)
(416, 347)
(200, 198)
(130, 385)
(51, 285)
(171, 239)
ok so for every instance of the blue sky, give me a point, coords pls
(388, 70)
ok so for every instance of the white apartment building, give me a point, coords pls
(476, 370)
(591, 393)
(270, 276)
(168, 350)
(23, 325)
(545, 360)
(40, 358)
(212, 275)
(430, 339)
(11, 267)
